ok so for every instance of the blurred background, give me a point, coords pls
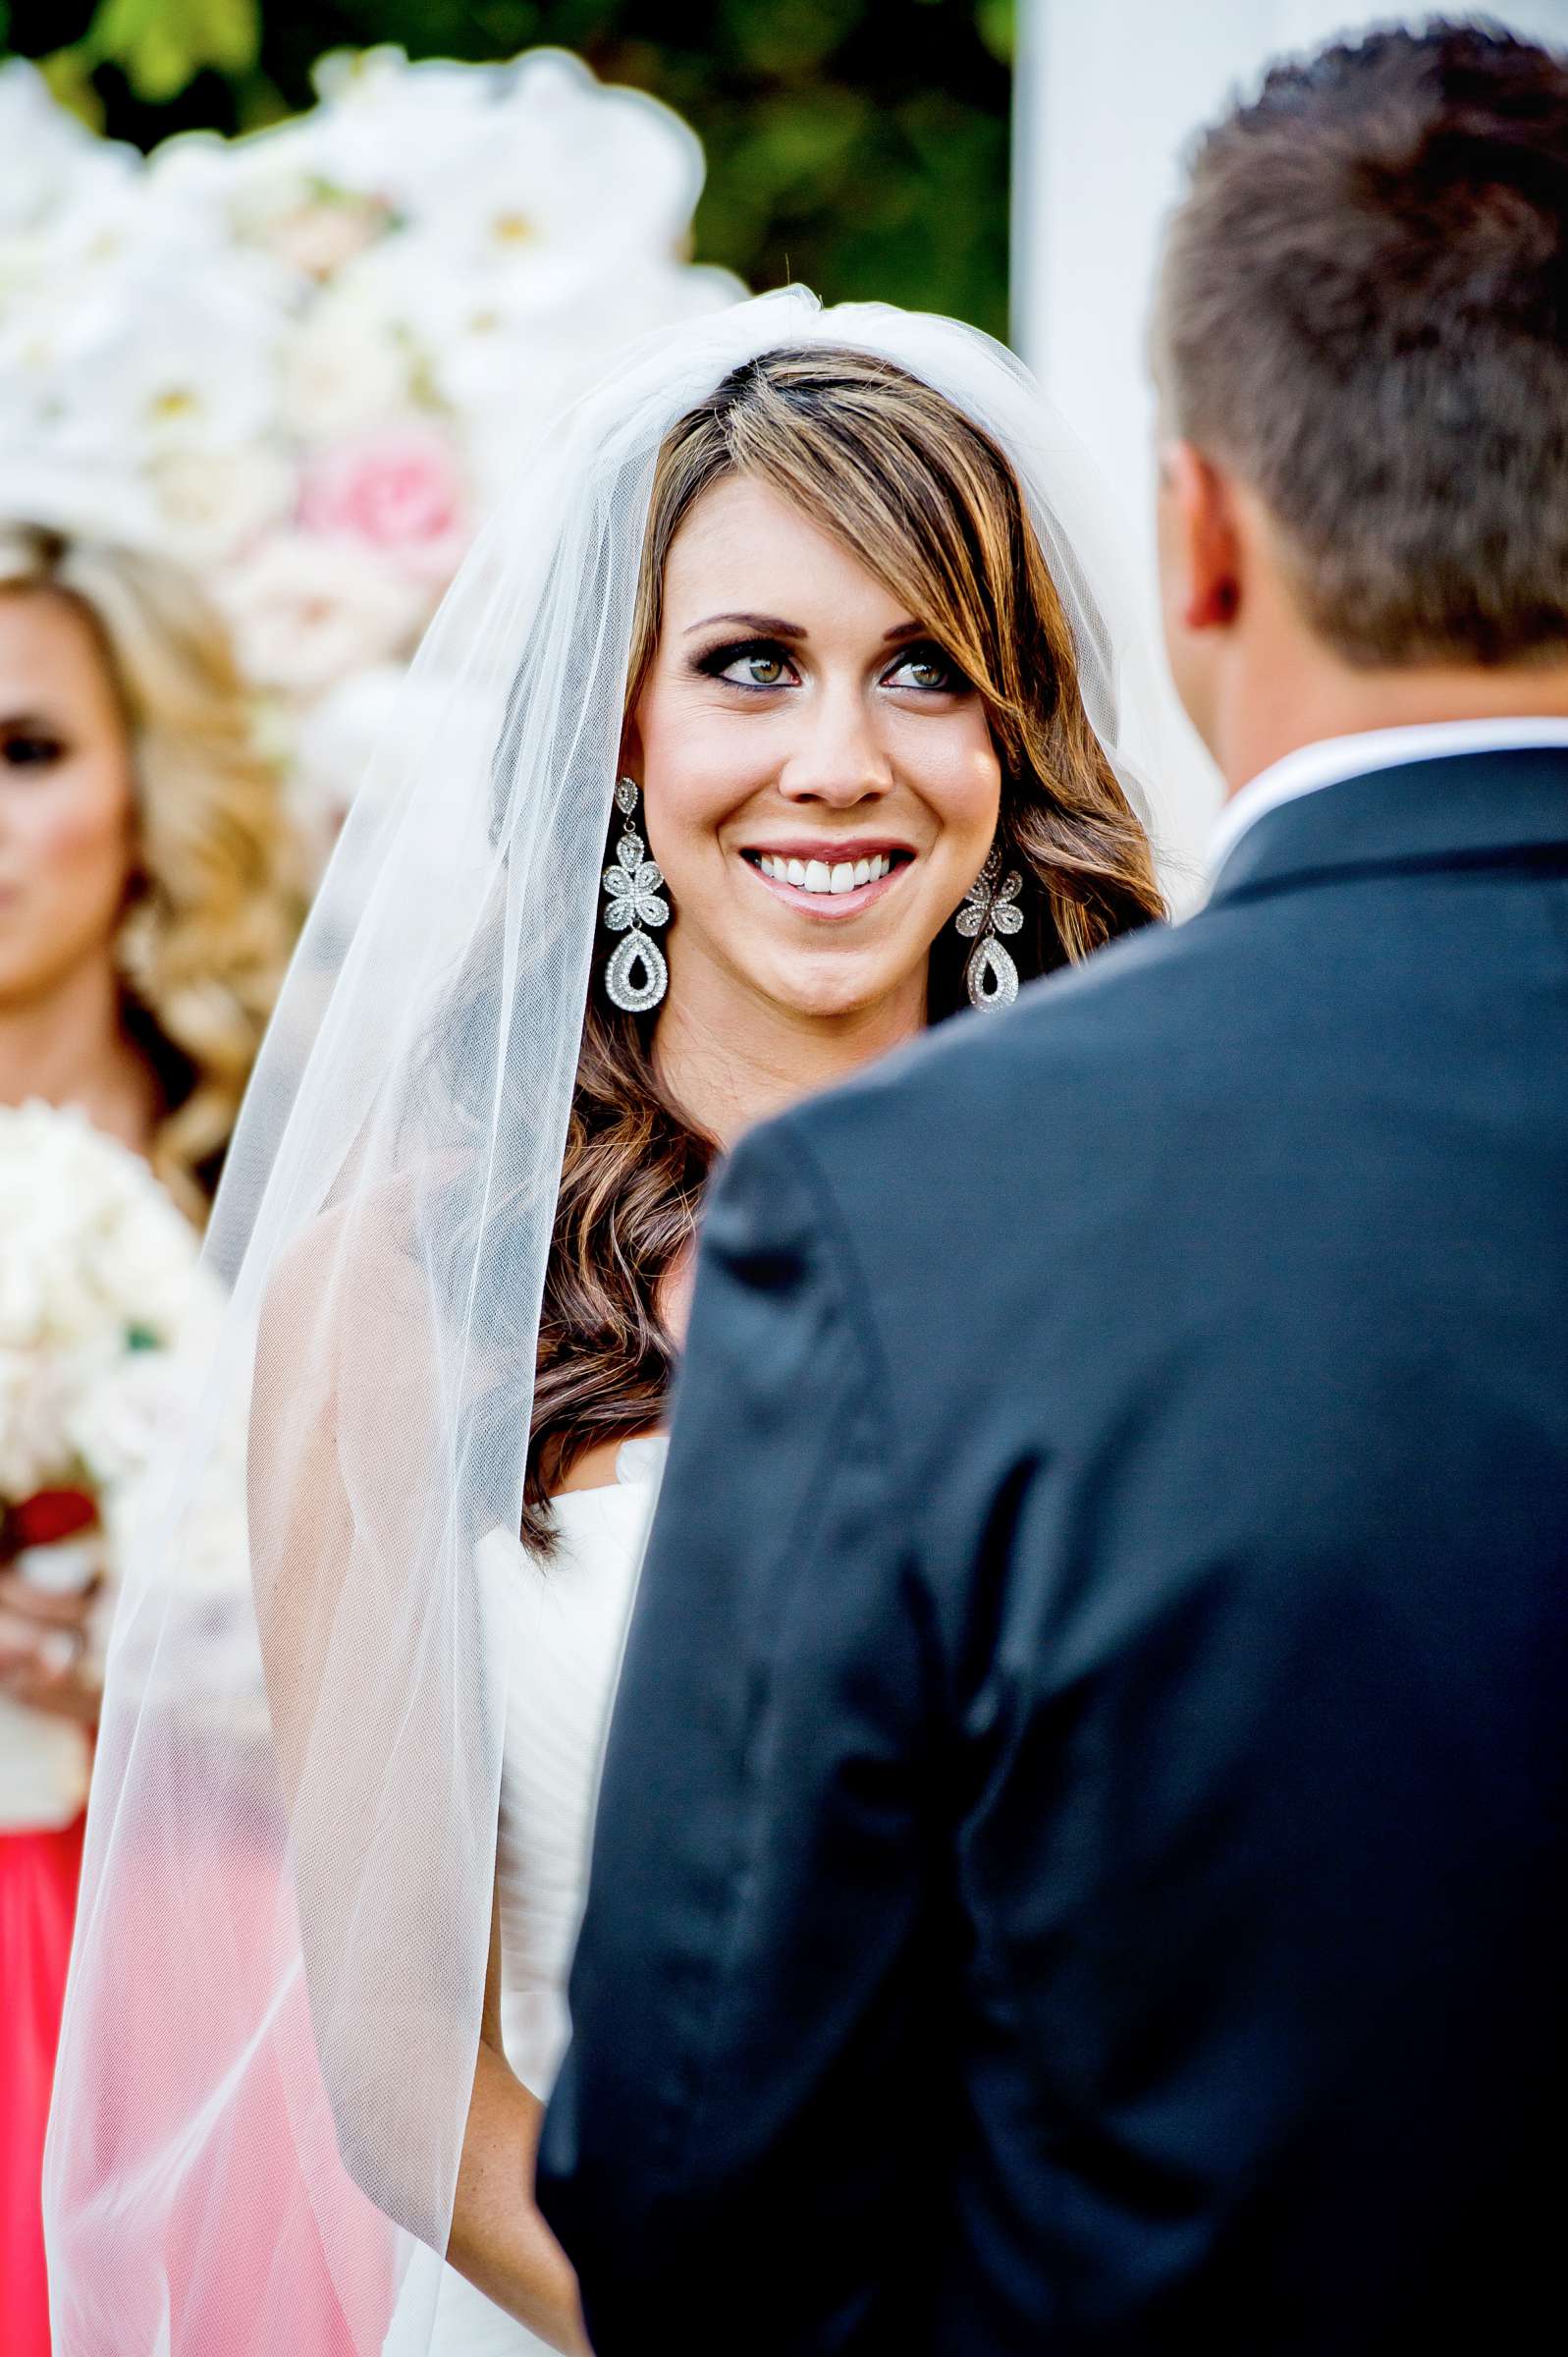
(860, 146)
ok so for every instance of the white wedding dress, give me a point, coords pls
(564, 1623)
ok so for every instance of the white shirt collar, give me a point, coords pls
(1338, 757)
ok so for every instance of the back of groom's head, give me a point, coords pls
(1362, 320)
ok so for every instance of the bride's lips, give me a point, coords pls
(829, 907)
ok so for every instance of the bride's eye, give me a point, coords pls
(927, 668)
(761, 663)
(759, 671)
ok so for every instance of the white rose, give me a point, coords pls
(242, 185)
(92, 1245)
(307, 611)
(23, 1296)
(191, 174)
(497, 160)
(39, 328)
(320, 237)
(215, 502)
(150, 361)
(45, 152)
(96, 228)
(34, 1407)
(141, 1262)
(342, 370)
(117, 1422)
(400, 132)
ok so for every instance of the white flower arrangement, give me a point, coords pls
(306, 362)
(98, 1276)
(99, 1283)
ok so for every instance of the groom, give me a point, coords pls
(1081, 1863)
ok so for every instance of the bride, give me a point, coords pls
(790, 707)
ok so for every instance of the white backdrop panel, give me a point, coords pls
(1110, 94)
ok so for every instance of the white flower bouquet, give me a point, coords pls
(97, 1277)
(108, 1322)
(306, 360)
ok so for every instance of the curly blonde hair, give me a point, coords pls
(218, 895)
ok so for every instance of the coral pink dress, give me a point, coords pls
(43, 1786)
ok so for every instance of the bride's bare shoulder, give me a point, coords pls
(352, 1299)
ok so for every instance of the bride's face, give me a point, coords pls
(820, 780)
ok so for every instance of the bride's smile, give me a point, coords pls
(827, 879)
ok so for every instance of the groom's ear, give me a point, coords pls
(1201, 543)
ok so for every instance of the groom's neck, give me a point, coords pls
(1284, 689)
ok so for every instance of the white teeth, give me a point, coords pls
(817, 875)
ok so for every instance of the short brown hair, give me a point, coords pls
(1362, 311)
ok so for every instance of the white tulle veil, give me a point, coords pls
(280, 1950)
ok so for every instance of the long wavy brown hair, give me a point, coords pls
(929, 505)
(217, 896)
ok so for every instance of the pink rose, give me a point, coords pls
(319, 237)
(399, 492)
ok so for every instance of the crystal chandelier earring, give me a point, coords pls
(637, 977)
(991, 909)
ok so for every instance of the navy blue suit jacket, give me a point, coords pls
(1080, 1864)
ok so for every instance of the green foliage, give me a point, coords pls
(162, 45)
(858, 144)
(68, 75)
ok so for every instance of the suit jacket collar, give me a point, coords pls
(1457, 811)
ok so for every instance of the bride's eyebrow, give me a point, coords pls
(766, 626)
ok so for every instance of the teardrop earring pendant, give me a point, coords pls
(990, 910)
(637, 977)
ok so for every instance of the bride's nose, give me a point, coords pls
(837, 758)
